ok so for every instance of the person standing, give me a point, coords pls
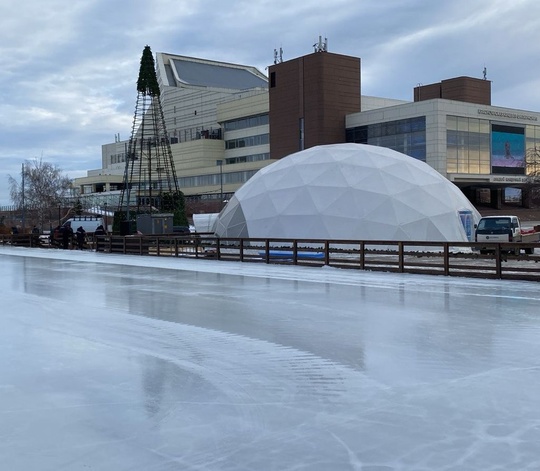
(81, 237)
(67, 235)
(100, 231)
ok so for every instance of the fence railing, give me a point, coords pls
(21, 240)
(435, 258)
(430, 258)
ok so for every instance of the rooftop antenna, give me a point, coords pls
(321, 46)
(278, 59)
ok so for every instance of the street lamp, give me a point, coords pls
(220, 163)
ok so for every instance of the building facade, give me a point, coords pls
(216, 115)
(227, 121)
(483, 149)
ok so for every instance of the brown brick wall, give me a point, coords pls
(467, 89)
(322, 88)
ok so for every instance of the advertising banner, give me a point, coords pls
(507, 149)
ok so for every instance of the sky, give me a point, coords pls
(68, 83)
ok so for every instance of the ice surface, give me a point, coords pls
(113, 362)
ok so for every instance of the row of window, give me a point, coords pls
(249, 141)
(468, 145)
(407, 136)
(118, 158)
(468, 141)
(244, 123)
(216, 179)
(249, 158)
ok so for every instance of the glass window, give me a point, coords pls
(470, 143)
(374, 130)
(418, 124)
(484, 126)
(406, 135)
(474, 125)
(463, 124)
(249, 122)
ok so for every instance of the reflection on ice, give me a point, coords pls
(136, 363)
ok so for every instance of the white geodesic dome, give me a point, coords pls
(348, 191)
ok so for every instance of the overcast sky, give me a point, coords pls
(68, 80)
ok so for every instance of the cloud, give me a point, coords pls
(68, 80)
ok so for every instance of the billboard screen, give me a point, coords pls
(507, 149)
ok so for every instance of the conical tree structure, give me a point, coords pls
(150, 183)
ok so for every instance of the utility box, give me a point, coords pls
(151, 224)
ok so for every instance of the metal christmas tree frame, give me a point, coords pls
(150, 182)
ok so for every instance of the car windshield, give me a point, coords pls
(494, 223)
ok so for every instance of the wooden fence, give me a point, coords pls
(430, 258)
(21, 240)
(433, 258)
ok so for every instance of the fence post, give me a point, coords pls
(446, 260)
(362, 255)
(295, 252)
(498, 261)
(241, 250)
(326, 252)
(401, 258)
(218, 248)
(267, 250)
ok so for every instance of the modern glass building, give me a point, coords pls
(483, 149)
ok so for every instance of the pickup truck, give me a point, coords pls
(505, 229)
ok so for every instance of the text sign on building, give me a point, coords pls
(502, 179)
(507, 114)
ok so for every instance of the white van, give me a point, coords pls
(88, 223)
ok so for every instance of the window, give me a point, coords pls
(244, 123)
(467, 145)
(259, 140)
(407, 136)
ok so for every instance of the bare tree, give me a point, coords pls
(45, 187)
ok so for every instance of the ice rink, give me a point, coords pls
(112, 362)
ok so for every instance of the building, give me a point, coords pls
(226, 121)
(309, 100)
(216, 116)
(479, 147)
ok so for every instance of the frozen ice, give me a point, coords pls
(113, 362)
